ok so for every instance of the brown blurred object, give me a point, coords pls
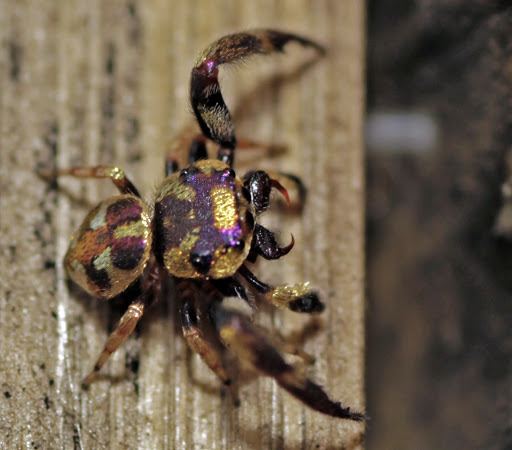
(439, 276)
(88, 82)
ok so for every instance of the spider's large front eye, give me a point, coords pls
(186, 173)
(201, 262)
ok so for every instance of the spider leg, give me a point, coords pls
(206, 98)
(171, 165)
(266, 148)
(116, 175)
(183, 140)
(210, 352)
(197, 149)
(283, 344)
(258, 185)
(296, 297)
(264, 244)
(203, 339)
(122, 331)
(230, 287)
(252, 346)
(293, 349)
(147, 290)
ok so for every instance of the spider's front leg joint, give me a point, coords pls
(209, 107)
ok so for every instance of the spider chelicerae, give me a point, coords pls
(202, 232)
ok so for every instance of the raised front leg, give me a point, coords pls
(205, 96)
(252, 346)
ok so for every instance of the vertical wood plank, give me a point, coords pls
(107, 82)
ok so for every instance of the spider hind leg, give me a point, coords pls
(252, 346)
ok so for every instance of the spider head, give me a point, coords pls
(202, 222)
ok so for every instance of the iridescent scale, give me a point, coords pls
(201, 210)
(111, 247)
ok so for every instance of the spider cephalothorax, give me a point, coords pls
(203, 232)
(203, 222)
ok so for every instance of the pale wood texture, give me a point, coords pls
(84, 82)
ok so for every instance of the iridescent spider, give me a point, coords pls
(202, 232)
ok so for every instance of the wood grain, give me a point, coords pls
(107, 82)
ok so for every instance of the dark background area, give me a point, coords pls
(438, 227)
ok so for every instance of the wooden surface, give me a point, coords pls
(107, 82)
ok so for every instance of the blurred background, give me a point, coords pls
(439, 223)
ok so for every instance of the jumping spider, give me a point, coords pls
(202, 232)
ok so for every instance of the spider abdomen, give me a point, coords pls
(112, 246)
(200, 222)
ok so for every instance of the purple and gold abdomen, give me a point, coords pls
(112, 246)
(201, 211)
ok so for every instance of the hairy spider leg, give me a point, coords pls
(191, 132)
(206, 98)
(296, 297)
(150, 286)
(122, 331)
(293, 349)
(171, 165)
(282, 343)
(193, 325)
(202, 337)
(252, 346)
(116, 175)
(244, 143)
(264, 244)
(197, 151)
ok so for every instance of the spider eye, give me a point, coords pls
(187, 173)
(239, 245)
(201, 262)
